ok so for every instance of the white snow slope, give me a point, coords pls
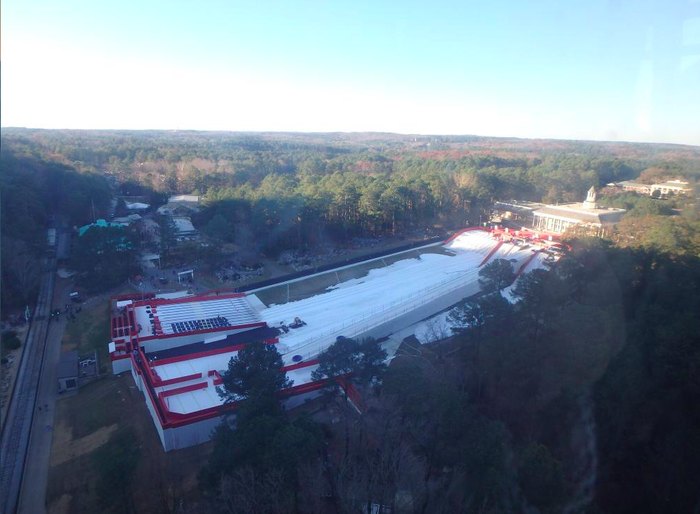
(356, 306)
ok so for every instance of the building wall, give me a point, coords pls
(301, 399)
(552, 224)
(421, 312)
(202, 431)
(120, 366)
(187, 435)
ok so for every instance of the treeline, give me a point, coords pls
(275, 191)
(280, 152)
(37, 194)
(297, 209)
(187, 161)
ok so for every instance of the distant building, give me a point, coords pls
(136, 206)
(180, 205)
(672, 187)
(662, 189)
(587, 216)
(190, 199)
(116, 240)
(512, 211)
(635, 187)
(67, 372)
(128, 220)
(100, 224)
(184, 228)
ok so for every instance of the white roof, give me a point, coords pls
(174, 295)
(183, 225)
(346, 309)
(184, 199)
(355, 306)
(207, 397)
(136, 206)
(199, 314)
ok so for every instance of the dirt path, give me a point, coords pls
(65, 448)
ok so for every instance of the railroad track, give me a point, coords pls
(17, 426)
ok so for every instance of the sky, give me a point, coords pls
(624, 70)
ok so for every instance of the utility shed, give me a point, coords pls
(67, 372)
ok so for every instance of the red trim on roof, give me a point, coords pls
(218, 379)
(150, 391)
(303, 388)
(176, 419)
(490, 254)
(183, 389)
(176, 380)
(526, 263)
(352, 393)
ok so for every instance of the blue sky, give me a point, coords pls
(596, 69)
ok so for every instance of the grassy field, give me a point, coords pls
(90, 331)
(85, 422)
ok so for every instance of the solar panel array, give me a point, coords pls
(200, 324)
(205, 314)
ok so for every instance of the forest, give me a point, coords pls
(581, 397)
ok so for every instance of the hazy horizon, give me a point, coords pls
(590, 71)
(350, 133)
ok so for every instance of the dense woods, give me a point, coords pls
(270, 192)
(581, 397)
(35, 194)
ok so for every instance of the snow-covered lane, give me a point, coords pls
(354, 306)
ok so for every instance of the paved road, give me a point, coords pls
(32, 498)
(22, 410)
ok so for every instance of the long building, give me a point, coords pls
(660, 189)
(177, 348)
(586, 216)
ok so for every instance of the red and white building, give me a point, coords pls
(176, 348)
